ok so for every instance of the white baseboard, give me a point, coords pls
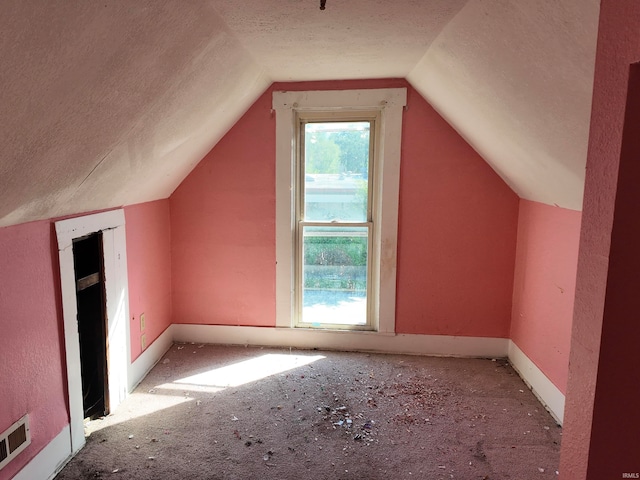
(47, 463)
(548, 394)
(50, 460)
(343, 340)
(147, 359)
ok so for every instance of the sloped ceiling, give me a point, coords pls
(515, 78)
(112, 103)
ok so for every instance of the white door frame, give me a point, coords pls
(112, 225)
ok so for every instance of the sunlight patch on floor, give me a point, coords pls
(137, 405)
(244, 372)
(171, 394)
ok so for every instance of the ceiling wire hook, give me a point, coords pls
(323, 4)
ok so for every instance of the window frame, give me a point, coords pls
(388, 105)
(303, 118)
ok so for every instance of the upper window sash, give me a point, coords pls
(302, 120)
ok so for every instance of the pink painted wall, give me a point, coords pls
(544, 286)
(457, 230)
(457, 233)
(223, 229)
(149, 270)
(616, 448)
(601, 416)
(32, 371)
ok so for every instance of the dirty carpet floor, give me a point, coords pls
(220, 412)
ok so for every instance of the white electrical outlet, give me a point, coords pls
(142, 324)
(143, 341)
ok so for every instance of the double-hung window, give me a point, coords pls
(338, 157)
(334, 219)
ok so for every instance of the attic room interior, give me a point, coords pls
(499, 215)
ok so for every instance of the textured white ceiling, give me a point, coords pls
(295, 40)
(515, 78)
(111, 103)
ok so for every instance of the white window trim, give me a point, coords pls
(390, 103)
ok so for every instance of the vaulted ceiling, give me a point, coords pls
(111, 103)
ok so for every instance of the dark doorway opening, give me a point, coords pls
(88, 263)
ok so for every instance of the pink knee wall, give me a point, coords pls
(456, 240)
(149, 270)
(544, 286)
(33, 373)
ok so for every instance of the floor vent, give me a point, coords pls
(14, 440)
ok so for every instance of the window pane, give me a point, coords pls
(336, 166)
(334, 275)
